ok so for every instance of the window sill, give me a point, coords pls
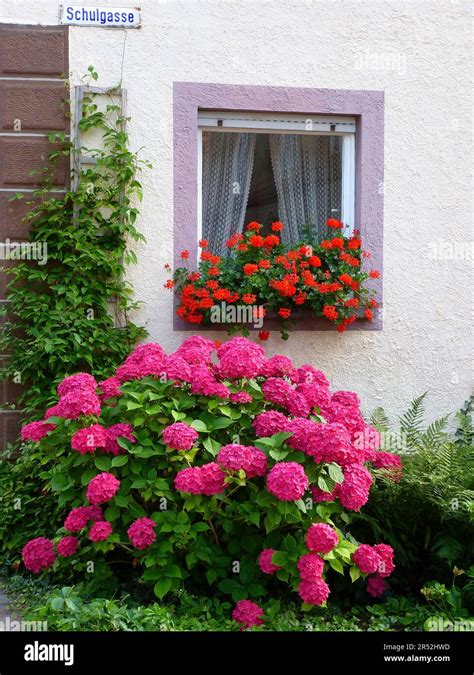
(303, 321)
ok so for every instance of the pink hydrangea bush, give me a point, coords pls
(189, 462)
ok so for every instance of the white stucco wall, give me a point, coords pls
(417, 52)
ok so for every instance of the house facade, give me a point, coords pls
(375, 96)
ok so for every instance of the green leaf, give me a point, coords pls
(278, 455)
(103, 463)
(337, 565)
(199, 426)
(335, 472)
(121, 460)
(162, 587)
(354, 573)
(280, 558)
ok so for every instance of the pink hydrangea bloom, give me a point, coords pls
(240, 397)
(314, 394)
(89, 439)
(102, 488)
(334, 443)
(287, 481)
(35, 431)
(100, 531)
(212, 479)
(67, 546)
(38, 554)
(189, 480)
(376, 586)
(386, 554)
(349, 417)
(265, 561)
(269, 422)
(313, 591)
(142, 533)
(179, 436)
(321, 538)
(277, 391)
(367, 441)
(258, 463)
(367, 559)
(110, 388)
(307, 374)
(176, 368)
(322, 496)
(76, 382)
(384, 460)
(234, 457)
(310, 566)
(305, 437)
(239, 358)
(195, 350)
(278, 366)
(354, 490)
(78, 517)
(74, 404)
(248, 614)
(297, 405)
(204, 382)
(146, 359)
(346, 398)
(120, 430)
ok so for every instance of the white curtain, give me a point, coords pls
(227, 161)
(307, 172)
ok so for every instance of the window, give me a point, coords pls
(299, 169)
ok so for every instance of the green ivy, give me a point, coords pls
(59, 318)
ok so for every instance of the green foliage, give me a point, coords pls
(201, 541)
(69, 608)
(427, 516)
(59, 317)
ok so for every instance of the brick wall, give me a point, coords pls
(33, 65)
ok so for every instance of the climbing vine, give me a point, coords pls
(69, 311)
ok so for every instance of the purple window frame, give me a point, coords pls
(368, 109)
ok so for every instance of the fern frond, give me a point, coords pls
(410, 421)
(435, 433)
(379, 419)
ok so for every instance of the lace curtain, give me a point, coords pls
(307, 172)
(227, 160)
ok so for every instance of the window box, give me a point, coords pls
(199, 108)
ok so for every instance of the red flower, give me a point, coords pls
(230, 243)
(213, 271)
(264, 334)
(169, 283)
(346, 279)
(194, 276)
(373, 303)
(354, 243)
(284, 287)
(314, 261)
(284, 313)
(222, 294)
(249, 298)
(250, 268)
(353, 302)
(332, 222)
(271, 240)
(264, 264)
(326, 243)
(374, 274)
(337, 242)
(277, 226)
(330, 312)
(242, 247)
(253, 226)
(217, 343)
(184, 255)
(203, 243)
(300, 298)
(306, 250)
(256, 240)
(369, 314)
(212, 284)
